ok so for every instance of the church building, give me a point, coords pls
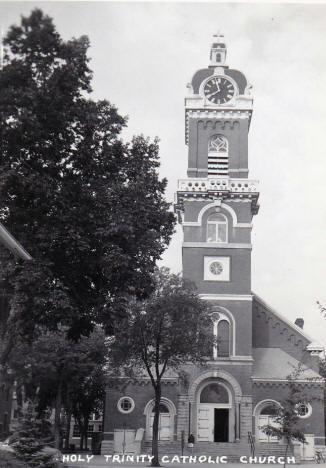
(247, 375)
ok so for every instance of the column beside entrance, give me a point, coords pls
(245, 416)
(183, 417)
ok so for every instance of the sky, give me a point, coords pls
(144, 54)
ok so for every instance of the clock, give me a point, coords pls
(219, 90)
(216, 268)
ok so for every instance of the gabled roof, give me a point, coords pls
(276, 364)
(12, 244)
(282, 318)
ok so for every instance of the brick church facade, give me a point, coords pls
(248, 372)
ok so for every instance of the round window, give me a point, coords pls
(126, 405)
(304, 410)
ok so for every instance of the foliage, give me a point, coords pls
(287, 417)
(9, 460)
(162, 332)
(321, 308)
(29, 444)
(56, 371)
(86, 399)
(88, 207)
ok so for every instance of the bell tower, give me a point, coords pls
(217, 201)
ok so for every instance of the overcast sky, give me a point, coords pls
(144, 54)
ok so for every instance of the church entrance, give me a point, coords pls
(164, 425)
(213, 417)
(267, 418)
(221, 425)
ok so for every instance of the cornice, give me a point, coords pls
(142, 381)
(224, 113)
(294, 333)
(259, 382)
(216, 245)
(226, 297)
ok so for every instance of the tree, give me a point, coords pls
(87, 206)
(56, 372)
(287, 415)
(162, 332)
(29, 444)
(88, 399)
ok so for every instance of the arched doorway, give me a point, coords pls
(265, 414)
(164, 424)
(215, 418)
(166, 420)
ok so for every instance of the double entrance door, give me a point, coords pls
(266, 420)
(164, 426)
(213, 424)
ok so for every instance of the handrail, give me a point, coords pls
(251, 441)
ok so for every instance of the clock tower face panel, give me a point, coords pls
(216, 268)
(219, 90)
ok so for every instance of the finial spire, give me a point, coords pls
(218, 50)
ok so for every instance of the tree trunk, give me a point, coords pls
(68, 426)
(57, 415)
(81, 441)
(85, 428)
(155, 461)
(286, 451)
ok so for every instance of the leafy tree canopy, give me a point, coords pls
(167, 330)
(55, 372)
(88, 207)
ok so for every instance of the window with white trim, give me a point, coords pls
(303, 410)
(126, 405)
(218, 156)
(217, 226)
(222, 332)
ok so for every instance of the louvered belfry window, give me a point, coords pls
(218, 156)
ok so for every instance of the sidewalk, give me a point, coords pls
(99, 461)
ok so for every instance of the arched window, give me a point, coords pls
(218, 156)
(222, 329)
(269, 410)
(223, 338)
(216, 228)
(214, 393)
(163, 409)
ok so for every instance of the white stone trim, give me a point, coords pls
(262, 404)
(215, 245)
(219, 204)
(228, 316)
(239, 170)
(232, 361)
(226, 297)
(224, 375)
(121, 410)
(305, 416)
(307, 380)
(148, 411)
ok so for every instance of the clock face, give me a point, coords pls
(216, 268)
(219, 90)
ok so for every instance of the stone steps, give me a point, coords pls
(270, 449)
(233, 451)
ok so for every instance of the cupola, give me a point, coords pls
(218, 50)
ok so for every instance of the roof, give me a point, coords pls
(12, 244)
(276, 364)
(283, 319)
